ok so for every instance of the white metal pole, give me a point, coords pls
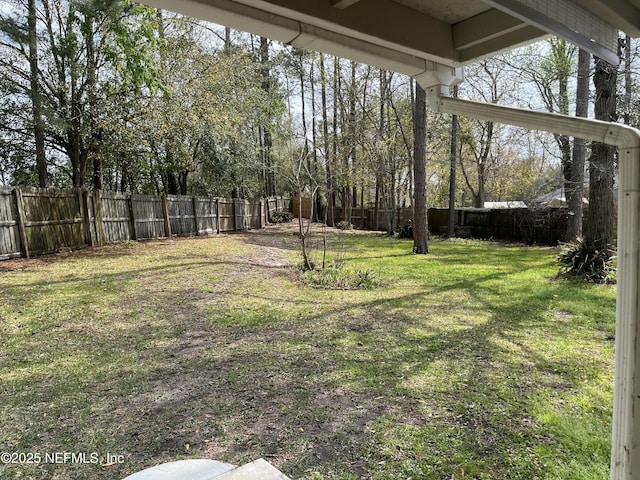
(625, 457)
(625, 448)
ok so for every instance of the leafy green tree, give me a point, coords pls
(80, 48)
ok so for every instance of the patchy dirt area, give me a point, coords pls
(221, 392)
(228, 370)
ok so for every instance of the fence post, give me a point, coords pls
(194, 202)
(132, 214)
(24, 244)
(246, 215)
(86, 216)
(262, 213)
(165, 214)
(217, 217)
(97, 215)
(235, 214)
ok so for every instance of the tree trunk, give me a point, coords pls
(325, 140)
(267, 142)
(392, 226)
(627, 80)
(314, 170)
(334, 142)
(227, 40)
(451, 224)
(599, 227)
(575, 191)
(173, 184)
(350, 159)
(420, 233)
(95, 130)
(564, 143)
(38, 129)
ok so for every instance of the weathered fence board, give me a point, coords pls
(181, 215)
(239, 216)
(116, 217)
(206, 211)
(226, 215)
(53, 219)
(271, 205)
(9, 233)
(148, 217)
(37, 221)
(255, 214)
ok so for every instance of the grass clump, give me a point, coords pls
(342, 279)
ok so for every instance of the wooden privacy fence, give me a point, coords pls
(37, 221)
(543, 225)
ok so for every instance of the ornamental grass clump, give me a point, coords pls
(587, 260)
(333, 278)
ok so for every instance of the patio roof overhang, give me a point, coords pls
(406, 35)
(429, 40)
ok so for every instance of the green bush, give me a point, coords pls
(587, 260)
(281, 217)
(407, 230)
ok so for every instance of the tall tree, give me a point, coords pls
(574, 190)
(267, 140)
(57, 75)
(326, 144)
(36, 100)
(478, 137)
(453, 153)
(558, 69)
(599, 227)
(420, 226)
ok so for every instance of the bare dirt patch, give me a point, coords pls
(218, 393)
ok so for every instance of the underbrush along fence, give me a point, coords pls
(36, 221)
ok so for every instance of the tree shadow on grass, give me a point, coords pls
(311, 394)
(381, 385)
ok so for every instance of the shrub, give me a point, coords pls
(586, 260)
(407, 230)
(344, 225)
(281, 217)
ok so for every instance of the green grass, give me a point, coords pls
(470, 362)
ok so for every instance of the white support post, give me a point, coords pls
(625, 454)
(625, 449)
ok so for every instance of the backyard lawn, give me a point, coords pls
(470, 362)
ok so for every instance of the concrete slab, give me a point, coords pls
(258, 470)
(196, 469)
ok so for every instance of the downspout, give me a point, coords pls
(625, 448)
